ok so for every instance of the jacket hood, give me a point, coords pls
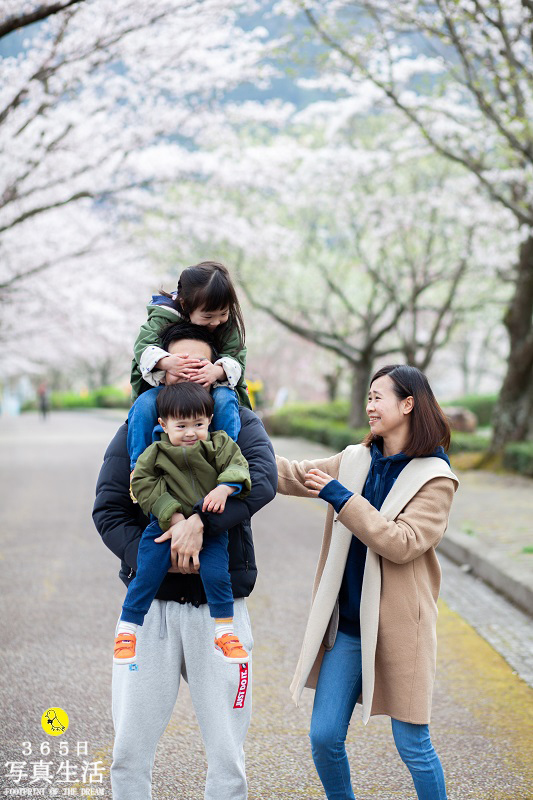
(399, 458)
(162, 300)
(384, 471)
(377, 456)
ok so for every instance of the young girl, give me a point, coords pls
(205, 296)
(372, 624)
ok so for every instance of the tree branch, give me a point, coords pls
(8, 284)
(486, 107)
(40, 13)
(463, 159)
(84, 194)
(322, 338)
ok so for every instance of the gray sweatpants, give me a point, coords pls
(179, 639)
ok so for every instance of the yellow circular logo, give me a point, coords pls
(54, 721)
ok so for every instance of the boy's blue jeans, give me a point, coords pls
(153, 563)
(339, 686)
(142, 418)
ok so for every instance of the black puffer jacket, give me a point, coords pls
(121, 523)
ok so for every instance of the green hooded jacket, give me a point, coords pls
(159, 316)
(168, 478)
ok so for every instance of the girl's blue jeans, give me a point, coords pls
(142, 418)
(339, 686)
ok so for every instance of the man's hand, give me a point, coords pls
(215, 500)
(315, 480)
(208, 374)
(187, 536)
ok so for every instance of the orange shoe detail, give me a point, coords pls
(229, 648)
(124, 648)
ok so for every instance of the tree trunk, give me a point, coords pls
(359, 393)
(513, 420)
(332, 383)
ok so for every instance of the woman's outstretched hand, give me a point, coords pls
(315, 480)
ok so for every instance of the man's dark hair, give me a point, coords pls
(184, 401)
(429, 426)
(186, 330)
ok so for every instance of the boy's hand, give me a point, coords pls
(315, 480)
(215, 500)
(207, 374)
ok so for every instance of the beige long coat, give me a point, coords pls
(400, 585)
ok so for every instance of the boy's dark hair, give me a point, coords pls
(429, 426)
(186, 330)
(208, 285)
(184, 401)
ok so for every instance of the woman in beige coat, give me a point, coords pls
(371, 632)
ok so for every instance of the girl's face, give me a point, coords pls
(387, 414)
(209, 319)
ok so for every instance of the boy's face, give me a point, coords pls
(186, 431)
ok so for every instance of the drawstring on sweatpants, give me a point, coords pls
(163, 633)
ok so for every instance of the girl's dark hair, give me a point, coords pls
(429, 426)
(183, 401)
(186, 330)
(208, 286)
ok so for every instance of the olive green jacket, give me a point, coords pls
(168, 478)
(159, 317)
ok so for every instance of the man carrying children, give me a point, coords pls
(176, 639)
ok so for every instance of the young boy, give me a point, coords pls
(171, 476)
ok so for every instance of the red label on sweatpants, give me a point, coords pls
(243, 686)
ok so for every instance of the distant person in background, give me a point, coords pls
(44, 399)
(371, 632)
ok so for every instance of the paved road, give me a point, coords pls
(61, 597)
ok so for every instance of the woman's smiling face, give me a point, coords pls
(387, 414)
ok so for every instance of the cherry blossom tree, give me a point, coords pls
(88, 106)
(369, 247)
(461, 72)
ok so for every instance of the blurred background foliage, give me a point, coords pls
(364, 170)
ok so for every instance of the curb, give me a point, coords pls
(458, 548)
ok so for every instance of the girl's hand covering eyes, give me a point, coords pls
(179, 368)
(207, 374)
(173, 364)
(315, 480)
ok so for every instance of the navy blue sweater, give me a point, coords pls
(381, 477)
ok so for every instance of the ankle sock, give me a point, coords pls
(223, 626)
(127, 627)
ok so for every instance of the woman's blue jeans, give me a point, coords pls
(142, 418)
(339, 686)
